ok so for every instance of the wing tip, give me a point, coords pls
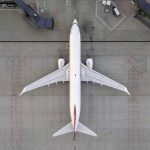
(95, 135)
(127, 91)
(54, 135)
(23, 91)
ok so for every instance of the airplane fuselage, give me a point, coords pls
(75, 77)
(75, 80)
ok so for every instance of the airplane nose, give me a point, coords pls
(75, 21)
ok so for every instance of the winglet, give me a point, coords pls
(126, 90)
(23, 91)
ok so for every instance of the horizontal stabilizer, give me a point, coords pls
(66, 129)
(83, 129)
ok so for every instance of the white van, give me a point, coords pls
(116, 11)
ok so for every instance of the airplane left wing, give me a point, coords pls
(95, 77)
(54, 77)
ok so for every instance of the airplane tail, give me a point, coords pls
(83, 129)
(69, 128)
(64, 130)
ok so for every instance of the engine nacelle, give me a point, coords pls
(89, 63)
(61, 62)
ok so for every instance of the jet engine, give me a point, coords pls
(61, 62)
(89, 63)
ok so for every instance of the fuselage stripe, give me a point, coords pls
(74, 117)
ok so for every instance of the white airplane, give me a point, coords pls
(75, 72)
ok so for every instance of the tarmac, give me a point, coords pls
(14, 26)
(29, 121)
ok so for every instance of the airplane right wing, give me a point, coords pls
(54, 77)
(95, 77)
